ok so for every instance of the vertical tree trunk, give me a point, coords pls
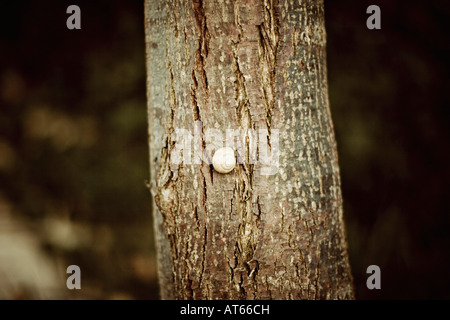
(262, 231)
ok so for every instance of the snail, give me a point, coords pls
(224, 160)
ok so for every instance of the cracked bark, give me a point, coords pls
(257, 64)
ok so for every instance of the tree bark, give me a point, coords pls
(262, 231)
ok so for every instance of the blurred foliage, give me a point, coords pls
(74, 155)
(389, 94)
(73, 138)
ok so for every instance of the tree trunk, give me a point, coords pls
(250, 74)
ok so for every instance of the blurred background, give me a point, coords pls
(74, 156)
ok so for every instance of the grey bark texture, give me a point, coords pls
(256, 64)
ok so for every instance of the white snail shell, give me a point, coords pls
(224, 160)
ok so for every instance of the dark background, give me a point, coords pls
(74, 156)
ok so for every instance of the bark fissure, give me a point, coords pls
(203, 264)
(203, 41)
(197, 220)
(242, 107)
(189, 290)
(267, 49)
(166, 195)
(195, 107)
(247, 230)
